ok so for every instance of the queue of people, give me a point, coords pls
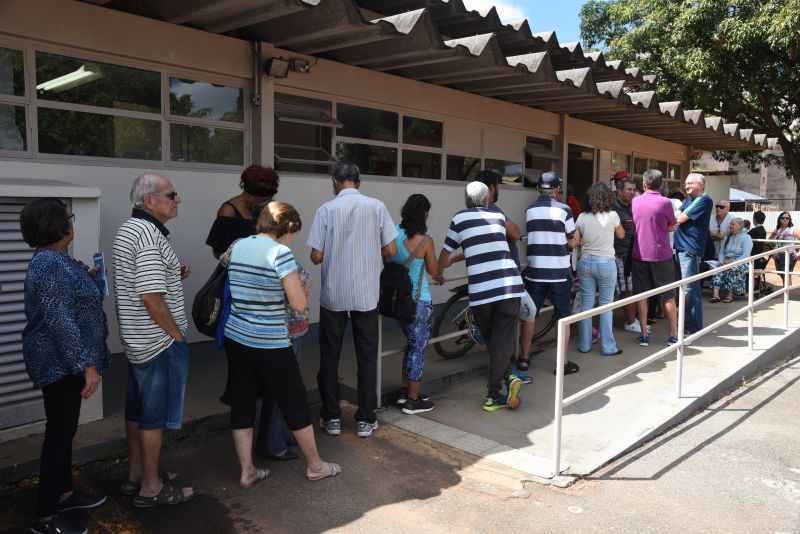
(625, 245)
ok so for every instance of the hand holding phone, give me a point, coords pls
(100, 272)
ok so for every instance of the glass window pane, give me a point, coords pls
(92, 134)
(299, 141)
(660, 165)
(12, 78)
(620, 162)
(92, 83)
(639, 166)
(377, 160)
(206, 145)
(303, 108)
(367, 123)
(534, 168)
(511, 171)
(422, 165)
(205, 100)
(462, 168)
(537, 143)
(675, 172)
(422, 132)
(13, 135)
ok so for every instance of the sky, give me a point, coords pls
(543, 15)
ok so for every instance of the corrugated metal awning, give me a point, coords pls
(443, 43)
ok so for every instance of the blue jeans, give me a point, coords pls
(156, 389)
(690, 266)
(597, 273)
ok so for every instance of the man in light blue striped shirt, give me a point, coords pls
(348, 237)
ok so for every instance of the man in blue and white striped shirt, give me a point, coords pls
(348, 237)
(495, 287)
(551, 231)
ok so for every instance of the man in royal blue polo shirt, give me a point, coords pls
(690, 243)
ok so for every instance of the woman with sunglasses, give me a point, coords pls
(784, 231)
(65, 352)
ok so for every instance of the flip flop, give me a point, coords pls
(130, 488)
(329, 469)
(727, 300)
(714, 300)
(261, 476)
(168, 496)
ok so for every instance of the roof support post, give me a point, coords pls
(564, 151)
(256, 107)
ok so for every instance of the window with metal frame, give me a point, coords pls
(93, 108)
(303, 134)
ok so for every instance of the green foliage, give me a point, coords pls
(737, 59)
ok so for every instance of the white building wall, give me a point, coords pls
(76, 27)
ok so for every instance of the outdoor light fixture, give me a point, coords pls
(300, 65)
(71, 80)
(276, 67)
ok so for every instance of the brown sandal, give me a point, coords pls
(168, 495)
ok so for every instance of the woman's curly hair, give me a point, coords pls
(601, 199)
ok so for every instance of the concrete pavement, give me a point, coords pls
(733, 468)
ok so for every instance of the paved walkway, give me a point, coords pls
(734, 469)
(602, 426)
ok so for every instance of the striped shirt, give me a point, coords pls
(258, 315)
(550, 226)
(491, 272)
(351, 229)
(145, 262)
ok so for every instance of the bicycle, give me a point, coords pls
(453, 318)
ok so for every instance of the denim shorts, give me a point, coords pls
(527, 309)
(156, 389)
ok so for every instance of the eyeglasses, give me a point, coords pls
(71, 217)
(786, 218)
(172, 195)
(721, 207)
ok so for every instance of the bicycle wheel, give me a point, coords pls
(452, 319)
(545, 322)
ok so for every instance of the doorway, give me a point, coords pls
(580, 171)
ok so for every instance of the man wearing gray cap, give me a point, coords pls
(494, 285)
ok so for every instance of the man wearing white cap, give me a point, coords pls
(495, 288)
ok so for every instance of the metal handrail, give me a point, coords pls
(683, 340)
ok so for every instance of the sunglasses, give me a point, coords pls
(172, 195)
(785, 218)
(721, 207)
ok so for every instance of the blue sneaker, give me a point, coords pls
(526, 378)
(644, 341)
(671, 340)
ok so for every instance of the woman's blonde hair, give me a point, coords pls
(279, 219)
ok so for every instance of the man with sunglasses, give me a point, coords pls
(720, 225)
(690, 244)
(150, 309)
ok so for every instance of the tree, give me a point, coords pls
(736, 59)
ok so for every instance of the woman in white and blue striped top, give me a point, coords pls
(263, 280)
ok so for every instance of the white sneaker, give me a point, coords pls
(634, 327)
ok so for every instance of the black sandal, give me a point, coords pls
(569, 368)
(168, 495)
(523, 364)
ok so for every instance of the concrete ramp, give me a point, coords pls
(607, 424)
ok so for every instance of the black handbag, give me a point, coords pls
(207, 305)
(396, 299)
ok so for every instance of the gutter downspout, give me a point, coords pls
(255, 100)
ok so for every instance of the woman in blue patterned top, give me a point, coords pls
(64, 346)
(263, 282)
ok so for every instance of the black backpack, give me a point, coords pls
(207, 305)
(396, 300)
